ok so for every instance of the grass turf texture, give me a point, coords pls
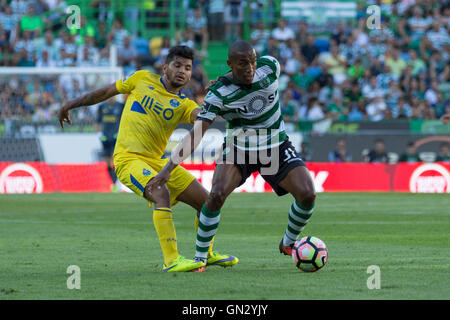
(112, 239)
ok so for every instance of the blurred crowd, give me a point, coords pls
(380, 154)
(399, 70)
(34, 33)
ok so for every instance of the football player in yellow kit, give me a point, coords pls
(154, 107)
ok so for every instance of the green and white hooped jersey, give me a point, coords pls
(253, 114)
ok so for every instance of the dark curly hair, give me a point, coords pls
(180, 51)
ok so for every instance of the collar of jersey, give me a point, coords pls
(182, 96)
(241, 86)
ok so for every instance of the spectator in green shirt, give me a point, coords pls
(417, 63)
(410, 155)
(31, 22)
(354, 93)
(302, 79)
(85, 30)
(444, 153)
(101, 36)
(289, 106)
(337, 110)
(414, 89)
(356, 70)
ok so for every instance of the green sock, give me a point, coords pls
(207, 228)
(298, 218)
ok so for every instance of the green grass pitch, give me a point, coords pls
(112, 239)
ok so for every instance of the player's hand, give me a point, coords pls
(445, 118)
(158, 181)
(64, 115)
(211, 83)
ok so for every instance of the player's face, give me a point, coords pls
(379, 147)
(178, 71)
(243, 67)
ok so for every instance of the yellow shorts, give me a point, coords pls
(134, 172)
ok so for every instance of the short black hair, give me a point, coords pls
(239, 46)
(312, 100)
(180, 51)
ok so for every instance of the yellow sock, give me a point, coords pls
(197, 220)
(162, 219)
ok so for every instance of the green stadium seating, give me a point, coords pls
(215, 63)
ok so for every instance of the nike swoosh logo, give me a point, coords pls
(230, 258)
(165, 270)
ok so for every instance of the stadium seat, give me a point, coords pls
(214, 62)
(427, 156)
(393, 157)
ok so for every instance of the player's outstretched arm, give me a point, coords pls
(88, 99)
(182, 151)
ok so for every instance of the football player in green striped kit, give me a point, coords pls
(247, 97)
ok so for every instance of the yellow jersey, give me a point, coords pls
(150, 115)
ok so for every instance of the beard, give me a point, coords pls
(174, 82)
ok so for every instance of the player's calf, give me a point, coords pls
(207, 227)
(299, 183)
(163, 222)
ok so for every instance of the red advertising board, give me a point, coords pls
(402, 177)
(355, 177)
(39, 177)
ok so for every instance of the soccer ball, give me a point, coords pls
(309, 254)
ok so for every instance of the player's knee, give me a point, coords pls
(308, 197)
(216, 199)
(160, 196)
